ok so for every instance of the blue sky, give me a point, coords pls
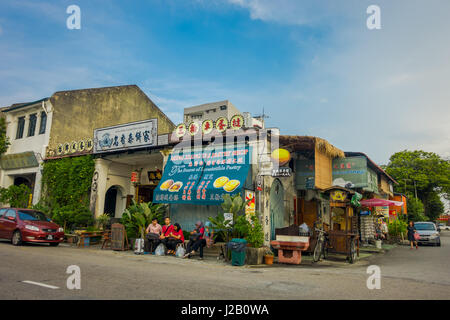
(313, 65)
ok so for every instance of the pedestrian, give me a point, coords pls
(153, 232)
(166, 230)
(411, 232)
(175, 237)
(196, 240)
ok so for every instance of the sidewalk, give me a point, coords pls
(211, 257)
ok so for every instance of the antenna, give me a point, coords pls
(262, 117)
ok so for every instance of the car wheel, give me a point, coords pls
(16, 238)
(54, 244)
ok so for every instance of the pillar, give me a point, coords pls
(98, 188)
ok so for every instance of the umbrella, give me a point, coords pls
(380, 203)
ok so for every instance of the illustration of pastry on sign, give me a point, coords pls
(166, 184)
(220, 182)
(231, 185)
(176, 186)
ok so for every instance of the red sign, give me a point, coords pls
(135, 176)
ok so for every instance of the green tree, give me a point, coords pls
(66, 187)
(4, 139)
(424, 173)
(16, 196)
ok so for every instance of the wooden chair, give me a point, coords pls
(107, 240)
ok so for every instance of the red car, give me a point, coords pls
(27, 225)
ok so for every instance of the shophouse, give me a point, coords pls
(28, 127)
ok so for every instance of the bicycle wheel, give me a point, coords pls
(317, 250)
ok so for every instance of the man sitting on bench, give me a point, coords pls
(196, 240)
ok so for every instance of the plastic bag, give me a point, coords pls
(304, 228)
(160, 250)
(139, 246)
(180, 252)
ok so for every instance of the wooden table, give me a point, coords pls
(88, 235)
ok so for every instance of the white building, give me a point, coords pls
(28, 129)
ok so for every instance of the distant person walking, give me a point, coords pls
(411, 232)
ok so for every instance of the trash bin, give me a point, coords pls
(237, 247)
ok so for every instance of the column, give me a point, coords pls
(98, 188)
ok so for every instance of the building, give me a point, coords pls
(124, 131)
(28, 128)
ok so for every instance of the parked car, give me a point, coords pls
(443, 227)
(428, 233)
(26, 225)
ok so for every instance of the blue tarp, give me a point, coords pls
(203, 176)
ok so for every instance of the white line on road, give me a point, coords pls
(40, 284)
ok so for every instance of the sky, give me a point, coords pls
(314, 66)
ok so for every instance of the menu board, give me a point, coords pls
(203, 176)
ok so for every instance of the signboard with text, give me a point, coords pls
(203, 176)
(126, 136)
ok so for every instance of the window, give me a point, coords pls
(223, 107)
(20, 128)
(2, 212)
(43, 122)
(30, 215)
(32, 125)
(11, 213)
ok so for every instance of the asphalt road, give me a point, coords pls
(405, 274)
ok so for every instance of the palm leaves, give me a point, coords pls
(137, 217)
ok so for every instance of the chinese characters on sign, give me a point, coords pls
(203, 176)
(207, 126)
(282, 172)
(127, 136)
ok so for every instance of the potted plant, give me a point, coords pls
(137, 217)
(103, 221)
(268, 257)
(255, 239)
(230, 224)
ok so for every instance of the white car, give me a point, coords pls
(443, 227)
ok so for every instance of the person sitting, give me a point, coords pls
(166, 230)
(153, 232)
(175, 237)
(196, 241)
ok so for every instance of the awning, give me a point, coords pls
(18, 160)
(203, 176)
(380, 203)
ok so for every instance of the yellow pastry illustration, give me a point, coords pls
(166, 184)
(231, 185)
(176, 186)
(220, 182)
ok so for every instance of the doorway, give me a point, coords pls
(277, 210)
(111, 201)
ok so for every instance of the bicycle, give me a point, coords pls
(321, 248)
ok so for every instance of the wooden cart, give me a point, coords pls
(343, 237)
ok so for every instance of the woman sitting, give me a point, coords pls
(175, 237)
(196, 240)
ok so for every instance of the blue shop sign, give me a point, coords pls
(204, 176)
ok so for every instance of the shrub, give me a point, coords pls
(397, 228)
(15, 196)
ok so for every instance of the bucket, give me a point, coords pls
(378, 244)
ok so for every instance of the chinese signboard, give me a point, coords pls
(305, 174)
(18, 160)
(126, 136)
(282, 172)
(203, 176)
(207, 126)
(350, 172)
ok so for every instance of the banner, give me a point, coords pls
(204, 176)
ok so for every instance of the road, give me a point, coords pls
(405, 274)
